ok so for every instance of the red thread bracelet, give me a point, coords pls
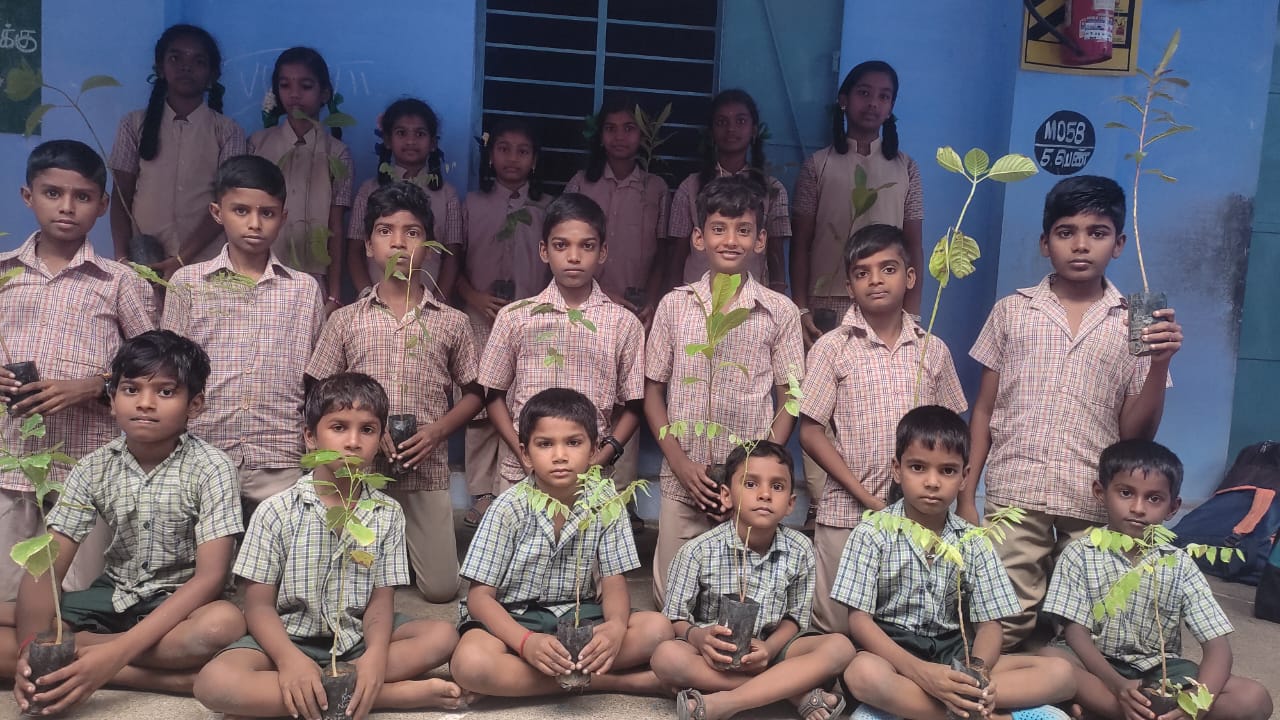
(25, 644)
(520, 652)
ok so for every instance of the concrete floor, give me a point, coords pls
(1254, 643)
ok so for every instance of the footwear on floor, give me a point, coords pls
(868, 712)
(1043, 712)
(479, 504)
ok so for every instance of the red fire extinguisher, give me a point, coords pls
(1087, 33)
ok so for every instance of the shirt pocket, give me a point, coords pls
(172, 542)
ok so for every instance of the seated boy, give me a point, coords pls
(526, 569)
(903, 601)
(290, 562)
(1056, 358)
(68, 311)
(1138, 483)
(420, 349)
(767, 346)
(258, 328)
(784, 661)
(154, 617)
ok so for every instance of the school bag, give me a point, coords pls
(1266, 604)
(1244, 513)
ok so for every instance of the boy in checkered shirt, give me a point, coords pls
(753, 365)
(1138, 483)
(420, 349)
(172, 500)
(527, 571)
(569, 335)
(860, 381)
(259, 320)
(294, 604)
(1058, 386)
(902, 599)
(784, 660)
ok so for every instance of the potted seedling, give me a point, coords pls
(954, 254)
(24, 370)
(1143, 305)
(22, 81)
(55, 648)
(339, 679)
(1168, 693)
(596, 503)
(939, 550)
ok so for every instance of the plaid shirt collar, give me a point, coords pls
(748, 293)
(636, 177)
(855, 324)
(552, 296)
(275, 268)
(372, 301)
(733, 541)
(952, 529)
(119, 447)
(26, 254)
(1042, 296)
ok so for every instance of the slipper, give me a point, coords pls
(815, 701)
(479, 504)
(868, 712)
(682, 705)
(1043, 712)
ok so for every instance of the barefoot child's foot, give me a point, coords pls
(440, 693)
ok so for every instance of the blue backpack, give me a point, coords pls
(1244, 513)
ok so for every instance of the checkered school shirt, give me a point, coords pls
(1059, 400)
(684, 217)
(1083, 575)
(159, 518)
(706, 568)
(768, 344)
(865, 386)
(606, 365)
(288, 546)
(71, 323)
(446, 211)
(365, 337)
(516, 552)
(886, 575)
(259, 339)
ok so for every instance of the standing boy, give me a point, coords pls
(154, 617)
(528, 571)
(569, 335)
(1059, 385)
(861, 380)
(259, 319)
(765, 350)
(1138, 483)
(421, 349)
(67, 311)
(902, 598)
(292, 601)
(785, 660)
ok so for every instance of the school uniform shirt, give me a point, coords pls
(708, 567)
(884, 574)
(1084, 574)
(419, 359)
(317, 171)
(516, 552)
(175, 188)
(767, 344)
(823, 191)
(1059, 399)
(446, 219)
(863, 386)
(684, 218)
(160, 518)
(500, 244)
(288, 545)
(71, 323)
(532, 349)
(635, 209)
(259, 336)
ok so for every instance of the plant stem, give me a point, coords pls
(1155, 599)
(1137, 175)
(76, 106)
(964, 637)
(8, 357)
(933, 316)
(53, 582)
(577, 580)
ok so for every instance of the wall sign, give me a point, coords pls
(1064, 142)
(1043, 52)
(19, 43)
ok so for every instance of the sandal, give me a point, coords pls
(815, 701)
(682, 705)
(479, 504)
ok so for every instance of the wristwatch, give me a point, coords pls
(617, 447)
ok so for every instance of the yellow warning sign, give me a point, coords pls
(1043, 51)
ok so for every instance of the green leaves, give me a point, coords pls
(1195, 700)
(337, 170)
(949, 159)
(10, 274)
(33, 120)
(513, 220)
(953, 256)
(21, 82)
(651, 137)
(1012, 168)
(976, 161)
(862, 197)
(339, 120)
(315, 458)
(94, 82)
(32, 426)
(577, 318)
(36, 555)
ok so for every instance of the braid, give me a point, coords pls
(149, 143)
(839, 140)
(889, 138)
(216, 91)
(707, 172)
(535, 184)
(487, 175)
(757, 151)
(435, 167)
